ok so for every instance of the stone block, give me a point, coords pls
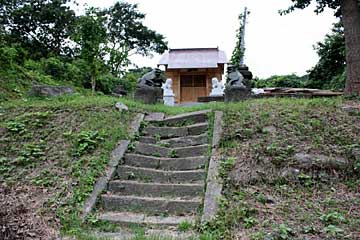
(50, 91)
(160, 176)
(148, 94)
(234, 94)
(150, 205)
(155, 189)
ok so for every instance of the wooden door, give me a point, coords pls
(192, 87)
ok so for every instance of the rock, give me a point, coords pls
(290, 173)
(270, 200)
(269, 129)
(306, 161)
(356, 153)
(49, 91)
(121, 107)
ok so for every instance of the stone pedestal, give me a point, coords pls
(148, 94)
(236, 94)
(169, 100)
(244, 70)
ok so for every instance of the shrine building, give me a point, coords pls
(192, 70)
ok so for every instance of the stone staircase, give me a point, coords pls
(161, 182)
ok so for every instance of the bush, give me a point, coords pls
(106, 83)
(290, 81)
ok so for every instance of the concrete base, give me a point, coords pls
(149, 95)
(211, 99)
(234, 94)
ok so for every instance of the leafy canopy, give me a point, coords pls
(127, 35)
(320, 6)
(329, 72)
(43, 27)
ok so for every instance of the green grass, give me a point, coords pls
(259, 142)
(61, 145)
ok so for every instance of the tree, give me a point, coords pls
(329, 71)
(91, 36)
(239, 50)
(127, 36)
(43, 27)
(289, 81)
(349, 11)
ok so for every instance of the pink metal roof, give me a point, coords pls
(193, 58)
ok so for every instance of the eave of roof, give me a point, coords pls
(193, 58)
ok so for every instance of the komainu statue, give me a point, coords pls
(236, 88)
(152, 79)
(148, 87)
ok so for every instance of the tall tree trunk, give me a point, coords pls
(350, 11)
(93, 83)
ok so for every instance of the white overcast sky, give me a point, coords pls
(274, 44)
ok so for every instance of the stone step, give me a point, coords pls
(152, 175)
(157, 206)
(182, 152)
(178, 142)
(154, 234)
(130, 219)
(155, 189)
(189, 163)
(171, 132)
(194, 117)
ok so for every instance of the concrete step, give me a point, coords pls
(157, 206)
(188, 163)
(130, 219)
(182, 152)
(155, 189)
(177, 142)
(154, 234)
(171, 132)
(194, 117)
(152, 175)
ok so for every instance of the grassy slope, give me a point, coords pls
(44, 169)
(317, 203)
(59, 182)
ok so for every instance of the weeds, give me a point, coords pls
(184, 226)
(87, 141)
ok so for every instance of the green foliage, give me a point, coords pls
(226, 165)
(332, 218)
(127, 35)
(306, 180)
(130, 77)
(333, 230)
(249, 222)
(173, 154)
(45, 179)
(291, 81)
(91, 35)
(329, 72)
(184, 226)
(107, 82)
(31, 154)
(238, 52)
(320, 6)
(15, 127)
(231, 215)
(28, 22)
(87, 141)
(283, 232)
(6, 167)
